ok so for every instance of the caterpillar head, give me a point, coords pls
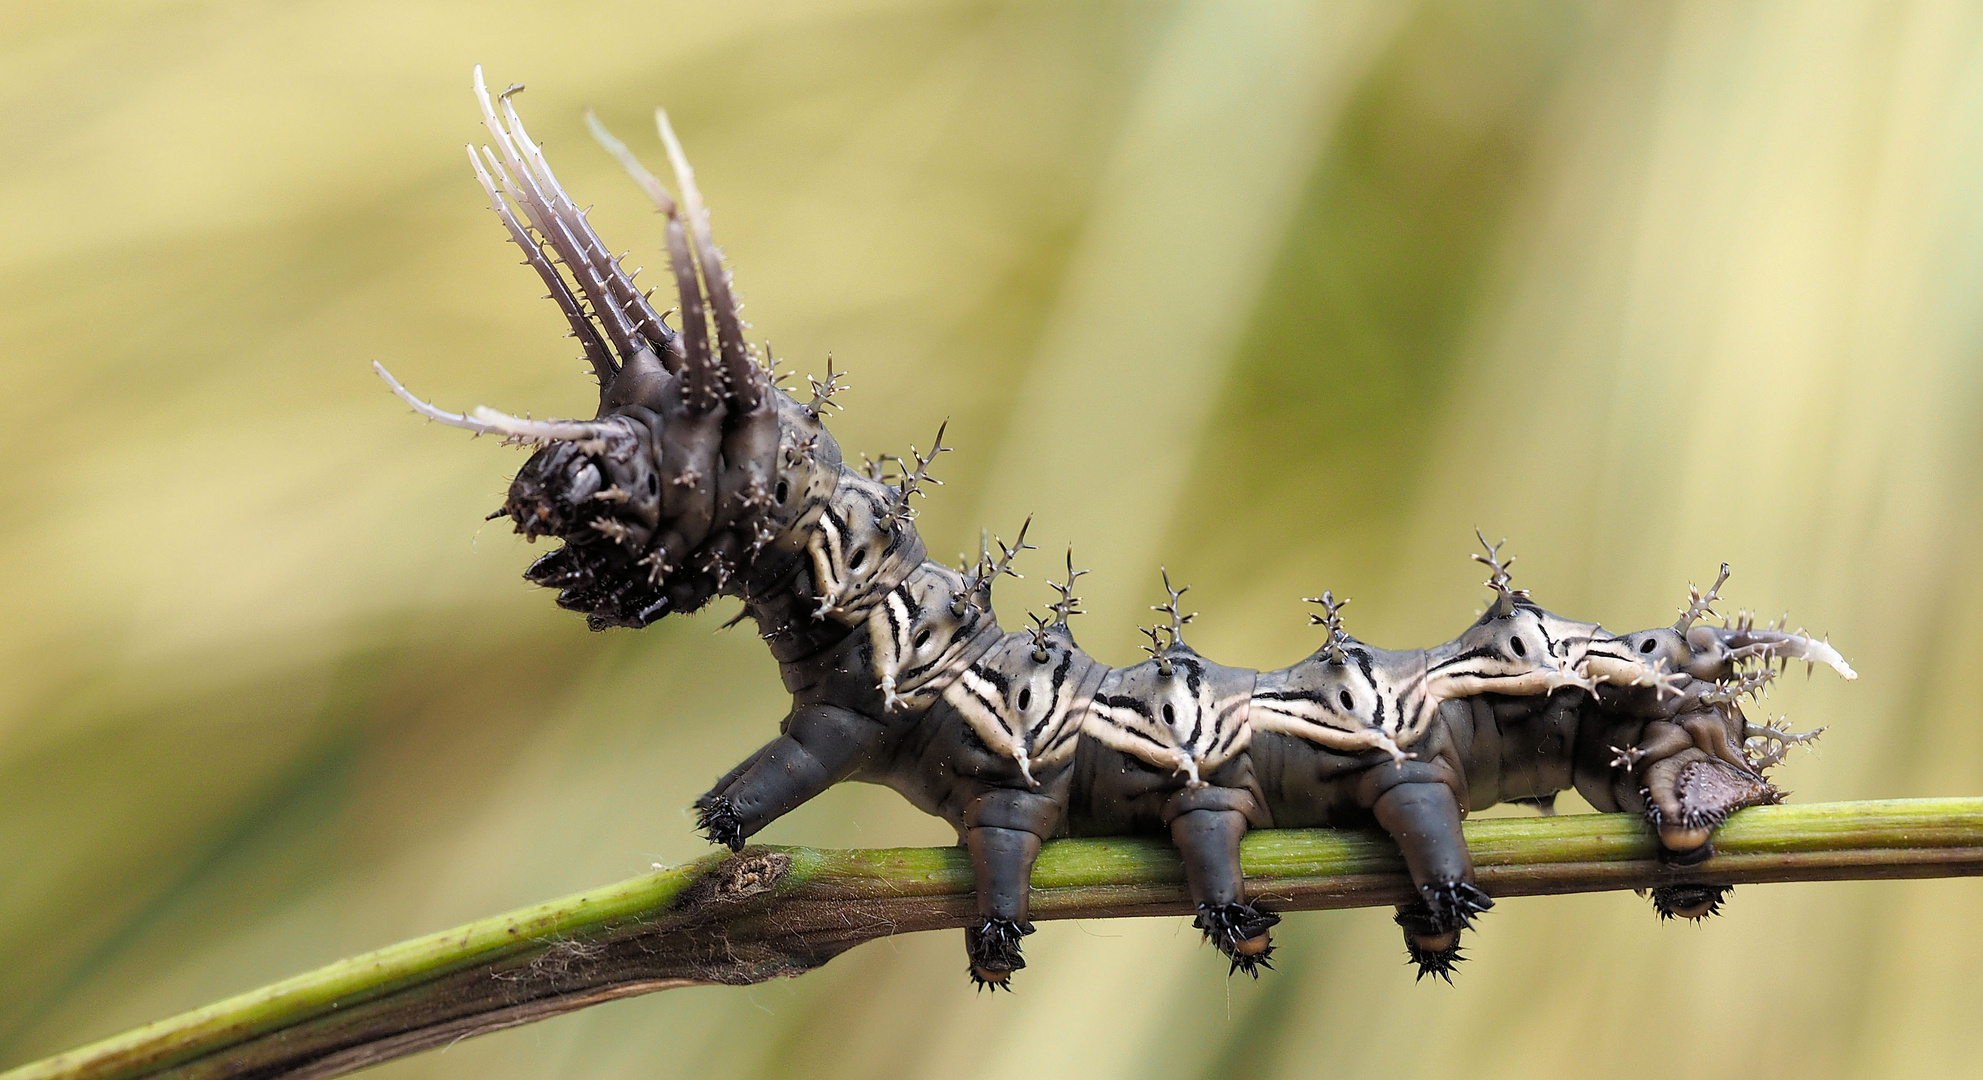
(694, 462)
(564, 491)
(549, 492)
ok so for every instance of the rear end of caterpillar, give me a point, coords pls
(700, 476)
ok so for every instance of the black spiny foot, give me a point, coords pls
(993, 947)
(1695, 902)
(1240, 932)
(717, 817)
(1434, 949)
(1452, 905)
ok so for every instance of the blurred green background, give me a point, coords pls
(1284, 296)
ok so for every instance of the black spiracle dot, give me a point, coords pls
(1515, 643)
(860, 556)
(783, 491)
(1025, 698)
(1349, 703)
(922, 637)
(1170, 714)
(1648, 645)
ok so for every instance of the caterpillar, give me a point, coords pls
(700, 476)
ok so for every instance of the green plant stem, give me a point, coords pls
(767, 912)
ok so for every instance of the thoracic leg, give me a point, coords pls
(1209, 842)
(1424, 819)
(821, 746)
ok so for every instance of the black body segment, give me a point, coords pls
(701, 477)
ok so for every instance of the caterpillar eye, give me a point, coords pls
(1348, 702)
(1515, 643)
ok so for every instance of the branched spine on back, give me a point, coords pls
(700, 477)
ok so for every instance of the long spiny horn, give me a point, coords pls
(747, 381)
(648, 182)
(1779, 646)
(702, 380)
(628, 322)
(680, 265)
(582, 326)
(631, 301)
(521, 184)
(487, 421)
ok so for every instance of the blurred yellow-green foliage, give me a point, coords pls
(1286, 296)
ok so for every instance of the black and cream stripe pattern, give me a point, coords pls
(1511, 650)
(1028, 697)
(1177, 711)
(1349, 697)
(859, 552)
(926, 633)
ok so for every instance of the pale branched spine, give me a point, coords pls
(1498, 578)
(822, 392)
(1069, 605)
(1332, 620)
(978, 583)
(1158, 647)
(910, 483)
(1700, 606)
